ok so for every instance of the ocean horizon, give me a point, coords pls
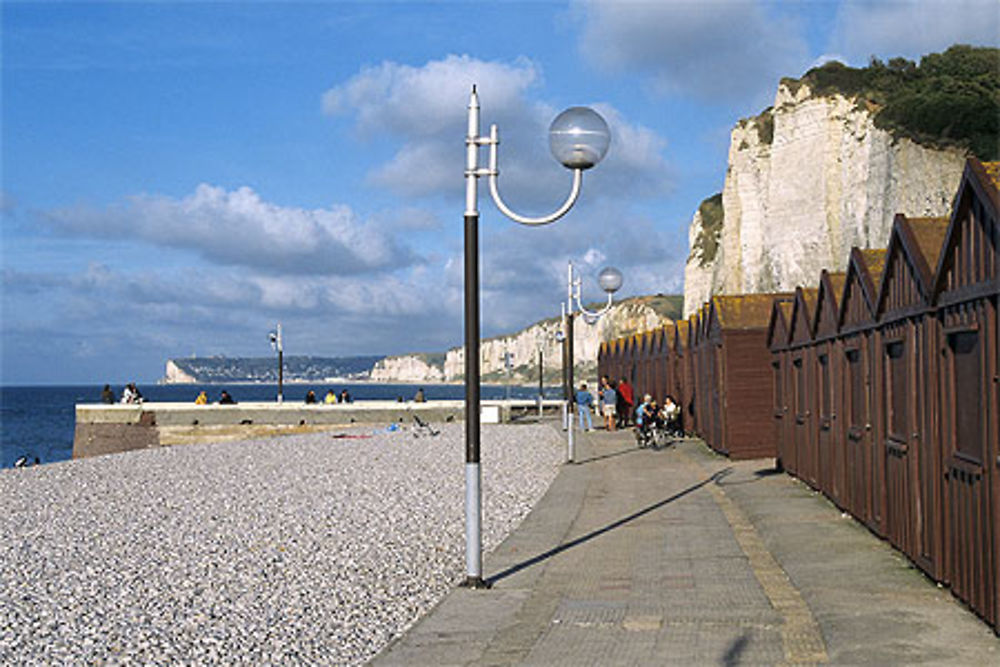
(39, 420)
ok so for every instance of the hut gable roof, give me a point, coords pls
(976, 202)
(800, 328)
(667, 339)
(857, 303)
(681, 331)
(777, 326)
(827, 313)
(907, 280)
(652, 342)
(744, 311)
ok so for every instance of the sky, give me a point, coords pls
(179, 177)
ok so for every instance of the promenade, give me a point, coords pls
(679, 556)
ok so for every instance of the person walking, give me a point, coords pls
(584, 402)
(609, 399)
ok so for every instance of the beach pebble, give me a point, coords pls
(299, 549)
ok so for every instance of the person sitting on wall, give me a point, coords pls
(310, 397)
(419, 396)
(226, 399)
(131, 394)
(107, 396)
(345, 397)
(330, 397)
(202, 399)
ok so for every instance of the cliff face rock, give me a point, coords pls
(175, 375)
(408, 369)
(627, 317)
(807, 180)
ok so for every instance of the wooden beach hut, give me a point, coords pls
(682, 374)
(703, 380)
(777, 344)
(828, 377)
(966, 289)
(667, 366)
(628, 359)
(661, 354)
(603, 357)
(856, 332)
(739, 375)
(802, 357)
(907, 401)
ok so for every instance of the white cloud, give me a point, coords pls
(428, 100)
(715, 50)
(912, 28)
(239, 228)
(427, 108)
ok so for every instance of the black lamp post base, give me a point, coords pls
(476, 583)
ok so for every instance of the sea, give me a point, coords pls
(38, 421)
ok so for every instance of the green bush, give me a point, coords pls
(949, 99)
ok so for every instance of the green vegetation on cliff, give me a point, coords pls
(706, 245)
(949, 99)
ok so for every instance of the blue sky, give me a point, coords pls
(177, 177)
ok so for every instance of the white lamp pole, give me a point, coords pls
(275, 338)
(578, 138)
(610, 279)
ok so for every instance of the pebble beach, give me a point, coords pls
(306, 549)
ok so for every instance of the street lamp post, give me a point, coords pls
(275, 338)
(610, 279)
(579, 139)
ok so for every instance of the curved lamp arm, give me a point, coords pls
(592, 314)
(494, 141)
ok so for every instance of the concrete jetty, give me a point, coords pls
(107, 429)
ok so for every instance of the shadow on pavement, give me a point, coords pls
(630, 450)
(736, 650)
(611, 526)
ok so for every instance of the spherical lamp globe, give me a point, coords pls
(579, 138)
(610, 279)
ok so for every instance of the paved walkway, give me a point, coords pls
(678, 556)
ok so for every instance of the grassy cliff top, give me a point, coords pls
(948, 99)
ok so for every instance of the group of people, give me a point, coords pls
(130, 394)
(224, 398)
(615, 403)
(331, 397)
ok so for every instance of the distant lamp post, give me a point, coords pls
(508, 365)
(275, 338)
(610, 279)
(579, 139)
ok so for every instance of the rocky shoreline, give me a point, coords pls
(311, 548)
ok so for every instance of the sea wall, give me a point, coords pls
(109, 429)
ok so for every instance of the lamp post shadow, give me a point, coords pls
(514, 569)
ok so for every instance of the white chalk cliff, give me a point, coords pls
(408, 369)
(807, 180)
(628, 317)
